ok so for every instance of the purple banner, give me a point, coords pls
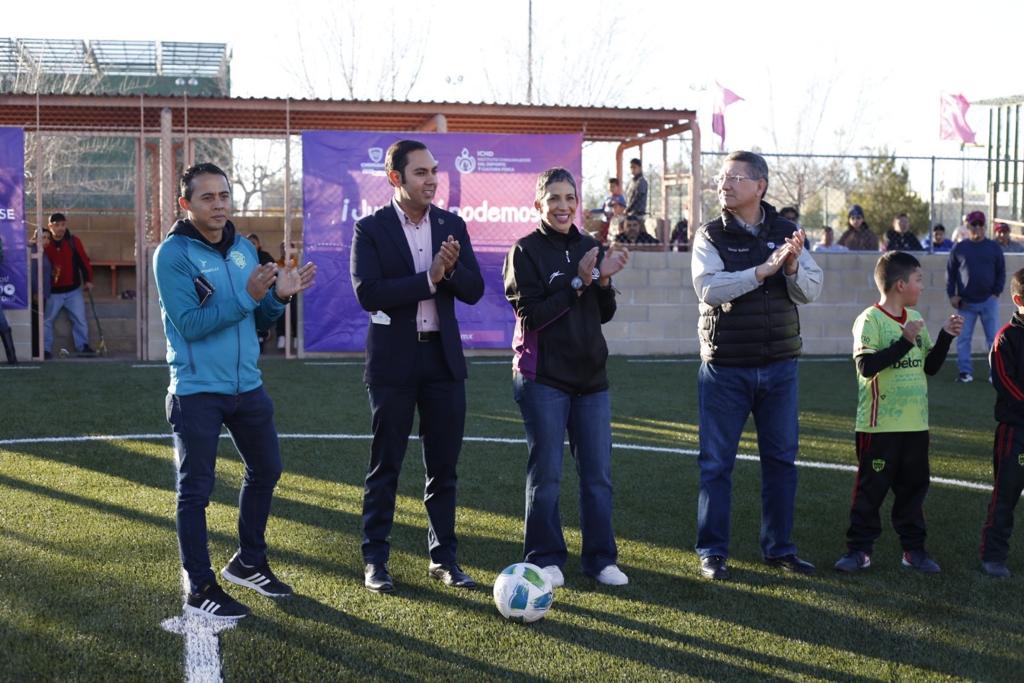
(489, 180)
(13, 276)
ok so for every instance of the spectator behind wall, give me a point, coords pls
(634, 233)
(938, 243)
(636, 191)
(1003, 239)
(900, 238)
(858, 235)
(615, 197)
(827, 243)
(680, 237)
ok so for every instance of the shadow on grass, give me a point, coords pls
(379, 651)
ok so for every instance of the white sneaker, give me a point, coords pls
(554, 575)
(612, 576)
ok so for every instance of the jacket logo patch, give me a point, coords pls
(1020, 459)
(239, 258)
(204, 269)
(771, 245)
(878, 464)
(553, 275)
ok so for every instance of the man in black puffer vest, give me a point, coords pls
(750, 271)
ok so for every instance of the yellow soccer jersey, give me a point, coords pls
(896, 399)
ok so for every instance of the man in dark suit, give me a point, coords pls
(410, 261)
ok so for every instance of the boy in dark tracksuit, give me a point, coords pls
(893, 352)
(1007, 361)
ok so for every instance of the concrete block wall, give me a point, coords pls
(657, 307)
(657, 311)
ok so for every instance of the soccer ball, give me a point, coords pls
(522, 592)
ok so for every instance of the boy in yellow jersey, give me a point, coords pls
(893, 352)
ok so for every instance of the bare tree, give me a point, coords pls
(349, 61)
(594, 71)
(796, 179)
(253, 173)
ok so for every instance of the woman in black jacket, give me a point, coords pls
(559, 285)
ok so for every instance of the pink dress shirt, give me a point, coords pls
(418, 236)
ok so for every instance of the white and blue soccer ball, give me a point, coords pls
(522, 592)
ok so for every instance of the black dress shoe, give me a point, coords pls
(791, 563)
(713, 567)
(377, 578)
(451, 575)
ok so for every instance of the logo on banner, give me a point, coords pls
(8, 289)
(376, 154)
(465, 163)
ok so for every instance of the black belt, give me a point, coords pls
(428, 336)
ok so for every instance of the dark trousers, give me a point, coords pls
(195, 422)
(889, 460)
(441, 402)
(1008, 466)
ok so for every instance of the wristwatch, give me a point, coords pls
(576, 283)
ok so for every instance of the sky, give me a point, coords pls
(815, 77)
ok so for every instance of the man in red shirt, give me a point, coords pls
(72, 272)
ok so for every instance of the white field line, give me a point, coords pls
(680, 361)
(19, 367)
(202, 646)
(162, 366)
(333, 362)
(811, 464)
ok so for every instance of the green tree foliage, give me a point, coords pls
(883, 191)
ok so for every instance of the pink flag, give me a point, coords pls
(953, 119)
(724, 99)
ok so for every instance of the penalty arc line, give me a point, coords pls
(810, 464)
(202, 644)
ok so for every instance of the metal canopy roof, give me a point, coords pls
(113, 57)
(254, 117)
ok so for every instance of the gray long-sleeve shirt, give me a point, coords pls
(716, 286)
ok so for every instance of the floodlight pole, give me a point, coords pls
(529, 52)
(289, 333)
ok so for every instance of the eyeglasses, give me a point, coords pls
(722, 179)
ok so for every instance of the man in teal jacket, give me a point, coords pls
(213, 297)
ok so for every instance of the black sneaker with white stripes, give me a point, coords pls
(259, 578)
(211, 601)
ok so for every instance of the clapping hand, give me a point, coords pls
(291, 280)
(911, 329)
(954, 324)
(445, 259)
(586, 267)
(796, 247)
(774, 262)
(261, 280)
(615, 259)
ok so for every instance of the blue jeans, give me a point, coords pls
(725, 398)
(195, 422)
(547, 414)
(988, 311)
(74, 304)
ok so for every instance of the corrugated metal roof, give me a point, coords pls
(275, 116)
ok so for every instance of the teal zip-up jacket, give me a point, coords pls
(211, 347)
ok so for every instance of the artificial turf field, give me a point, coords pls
(89, 566)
